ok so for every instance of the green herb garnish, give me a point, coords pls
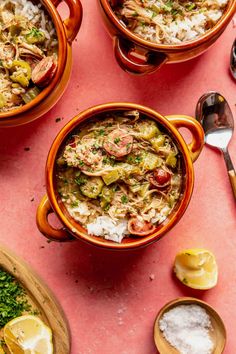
(13, 301)
(80, 180)
(124, 199)
(74, 204)
(101, 132)
(191, 7)
(116, 140)
(154, 14)
(138, 159)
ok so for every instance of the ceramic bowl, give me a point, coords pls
(66, 33)
(72, 230)
(128, 46)
(218, 334)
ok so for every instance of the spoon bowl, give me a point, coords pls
(218, 333)
(216, 118)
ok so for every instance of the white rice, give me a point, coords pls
(109, 229)
(34, 13)
(163, 27)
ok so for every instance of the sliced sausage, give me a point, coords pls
(160, 178)
(140, 228)
(44, 71)
(118, 143)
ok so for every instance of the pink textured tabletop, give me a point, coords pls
(111, 299)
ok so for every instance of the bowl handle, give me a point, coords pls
(44, 209)
(73, 23)
(136, 60)
(196, 130)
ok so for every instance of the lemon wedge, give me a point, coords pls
(28, 335)
(196, 268)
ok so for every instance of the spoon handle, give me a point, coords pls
(231, 171)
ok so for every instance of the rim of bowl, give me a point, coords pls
(74, 227)
(62, 54)
(224, 20)
(184, 301)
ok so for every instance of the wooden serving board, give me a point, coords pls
(41, 299)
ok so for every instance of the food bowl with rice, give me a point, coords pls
(35, 57)
(150, 33)
(119, 176)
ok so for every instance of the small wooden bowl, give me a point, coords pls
(218, 335)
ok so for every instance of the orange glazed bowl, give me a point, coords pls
(73, 230)
(138, 56)
(66, 32)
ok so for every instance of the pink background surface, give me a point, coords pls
(109, 298)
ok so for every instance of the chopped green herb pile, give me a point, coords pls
(13, 301)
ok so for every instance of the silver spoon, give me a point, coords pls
(216, 118)
(233, 60)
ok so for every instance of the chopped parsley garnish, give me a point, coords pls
(107, 207)
(138, 159)
(80, 180)
(96, 146)
(74, 204)
(81, 163)
(13, 301)
(128, 146)
(34, 32)
(154, 14)
(134, 159)
(108, 161)
(116, 140)
(174, 12)
(124, 199)
(191, 6)
(135, 14)
(101, 132)
(168, 6)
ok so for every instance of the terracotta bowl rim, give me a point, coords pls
(74, 228)
(62, 55)
(224, 20)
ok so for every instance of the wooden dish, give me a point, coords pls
(41, 299)
(218, 335)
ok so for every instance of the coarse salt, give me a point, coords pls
(187, 328)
